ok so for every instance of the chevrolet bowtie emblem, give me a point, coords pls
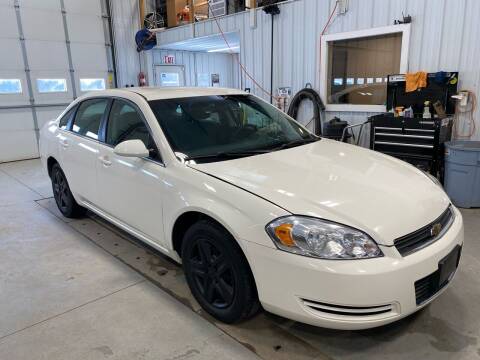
(436, 229)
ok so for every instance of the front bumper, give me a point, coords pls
(347, 294)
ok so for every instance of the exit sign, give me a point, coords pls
(169, 59)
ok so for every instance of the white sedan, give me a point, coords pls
(259, 211)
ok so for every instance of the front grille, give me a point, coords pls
(348, 311)
(423, 237)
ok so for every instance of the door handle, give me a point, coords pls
(104, 160)
(64, 143)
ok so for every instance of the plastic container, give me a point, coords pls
(462, 172)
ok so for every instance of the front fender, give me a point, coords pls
(242, 213)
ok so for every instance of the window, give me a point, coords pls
(355, 65)
(88, 118)
(170, 79)
(10, 86)
(51, 85)
(207, 125)
(66, 118)
(92, 84)
(125, 123)
(203, 79)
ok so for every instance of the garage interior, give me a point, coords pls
(85, 289)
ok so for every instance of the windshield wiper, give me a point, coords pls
(227, 155)
(294, 143)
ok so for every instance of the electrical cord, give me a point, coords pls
(242, 67)
(470, 110)
(330, 18)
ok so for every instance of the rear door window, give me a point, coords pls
(89, 116)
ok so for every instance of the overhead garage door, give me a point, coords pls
(44, 67)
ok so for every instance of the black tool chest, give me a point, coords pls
(415, 140)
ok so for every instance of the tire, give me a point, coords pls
(63, 196)
(217, 273)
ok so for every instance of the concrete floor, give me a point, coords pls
(83, 289)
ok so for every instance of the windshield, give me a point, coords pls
(215, 126)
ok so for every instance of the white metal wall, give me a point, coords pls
(62, 39)
(125, 18)
(444, 37)
(201, 62)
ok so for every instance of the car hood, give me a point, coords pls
(380, 195)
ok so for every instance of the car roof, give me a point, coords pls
(158, 93)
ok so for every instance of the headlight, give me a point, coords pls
(321, 239)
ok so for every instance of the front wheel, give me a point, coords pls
(63, 196)
(217, 273)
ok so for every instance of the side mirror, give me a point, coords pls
(131, 148)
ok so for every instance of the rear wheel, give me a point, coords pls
(218, 273)
(63, 196)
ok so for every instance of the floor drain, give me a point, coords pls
(277, 347)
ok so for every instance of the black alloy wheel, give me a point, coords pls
(218, 273)
(212, 274)
(63, 196)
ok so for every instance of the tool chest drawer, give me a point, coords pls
(415, 140)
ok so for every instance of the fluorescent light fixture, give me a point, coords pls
(224, 49)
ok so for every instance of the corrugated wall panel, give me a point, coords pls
(444, 36)
(125, 25)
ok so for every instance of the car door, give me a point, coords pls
(131, 189)
(79, 148)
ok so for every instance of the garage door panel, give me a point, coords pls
(51, 28)
(8, 22)
(15, 99)
(83, 7)
(44, 115)
(47, 55)
(85, 28)
(16, 119)
(18, 145)
(11, 59)
(42, 4)
(89, 74)
(52, 97)
(48, 59)
(89, 57)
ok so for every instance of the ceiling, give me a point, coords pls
(211, 43)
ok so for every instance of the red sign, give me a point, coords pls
(169, 59)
